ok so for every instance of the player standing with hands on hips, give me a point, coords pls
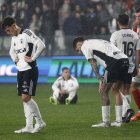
(25, 49)
(116, 66)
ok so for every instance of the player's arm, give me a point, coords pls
(74, 86)
(40, 47)
(13, 55)
(137, 58)
(138, 54)
(37, 43)
(95, 68)
(137, 68)
(113, 39)
(135, 24)
(55, 86)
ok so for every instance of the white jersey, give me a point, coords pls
(138, 30)
(126, 40)
(102, 51)
(70, 85)
(25, 44)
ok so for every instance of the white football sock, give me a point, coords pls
(71, 95)
(126, 104)
(28, 115)
(55, 95)
(128, 98)
(118, 110)
(35, 110)
(106, 113)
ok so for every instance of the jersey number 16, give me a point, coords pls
(128, 48)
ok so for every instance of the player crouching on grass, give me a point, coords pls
(65, 89)
(25, 49)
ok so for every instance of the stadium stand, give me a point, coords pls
(58, 21)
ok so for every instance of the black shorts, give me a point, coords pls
(128, 78)
(27, 81)
(62, 99)
(118, 71)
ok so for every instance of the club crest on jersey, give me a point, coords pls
(21, 41)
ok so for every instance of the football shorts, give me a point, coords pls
(27, 81)
(118, 71)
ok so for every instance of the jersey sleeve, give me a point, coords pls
(87, 52)
(74, 86)
(31, 37)
(55, 86)
(12, 52)
(113, 39)
(35, 41)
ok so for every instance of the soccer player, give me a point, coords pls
(65, 89)
(25, 49)
(116, 66)
(136, 80)
(126, 39)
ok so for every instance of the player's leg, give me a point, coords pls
(127, 111)
(75, 99)
(71, 96)
(136, 95)
(31, 103)
(29, 83)
(28, 115)
(120, 70)
(54, 98)
(118, 104)
(105, 107)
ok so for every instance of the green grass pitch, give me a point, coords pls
(72, 122)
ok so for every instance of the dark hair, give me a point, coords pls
(138, 10)
(65, 68)
(123, 19)
(7, 21)
(76, 40)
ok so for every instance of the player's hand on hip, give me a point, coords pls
(16, 59)
(28, 59)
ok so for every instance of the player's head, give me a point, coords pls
(137, 15)
(123, 20)
(9, 25)
(66, 73)
(77, 43)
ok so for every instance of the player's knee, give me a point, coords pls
(25, 98)
(115, 89)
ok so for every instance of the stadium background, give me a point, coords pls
(57, 22)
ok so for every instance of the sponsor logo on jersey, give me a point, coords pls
(20, 50)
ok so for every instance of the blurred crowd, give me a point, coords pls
(57, 22)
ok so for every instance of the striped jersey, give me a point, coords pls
(102, 51)
(25, 44)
